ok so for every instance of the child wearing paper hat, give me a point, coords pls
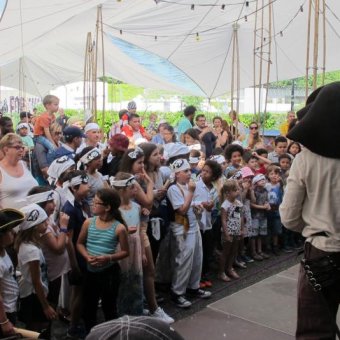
(35, 310)
(9, 290)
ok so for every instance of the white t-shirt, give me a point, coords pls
(177, 200)
(29, 252)
(8, 285)
(204, 194)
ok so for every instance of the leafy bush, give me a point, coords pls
(272, 120)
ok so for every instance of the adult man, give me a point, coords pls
(284, 126)
(62, 119)
(92, 134)
(237, 128)
(73, 138)
(206, 134)
(311, 206)
(118, 144)
(6, 126)
(186, 122)
(134, 130)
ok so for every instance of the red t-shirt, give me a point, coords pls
(41, 122)
(261, 170)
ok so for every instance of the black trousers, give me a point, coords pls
(316, 311)
(208, 248)
(100, 285)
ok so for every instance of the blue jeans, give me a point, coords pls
(45, 142)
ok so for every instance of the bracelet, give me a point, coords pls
(4, 322)
(63, 230)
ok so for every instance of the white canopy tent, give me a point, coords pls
(170, 45)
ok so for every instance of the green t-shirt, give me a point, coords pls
(28, 141)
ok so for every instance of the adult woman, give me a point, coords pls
(237, 126)
(191, 139)
(133, 163)
(222, 134)
(41, 158)
(15, 178)
(253, 140)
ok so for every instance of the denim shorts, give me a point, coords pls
(274, 225)
(259, 227)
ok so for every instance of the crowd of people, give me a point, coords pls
(99, 223)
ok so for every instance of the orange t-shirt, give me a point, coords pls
(41, 122)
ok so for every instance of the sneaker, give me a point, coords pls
(264, 255)
(159, 298)
(202, 284)
(199, 293)
(76, 332)
(181, 301)
(145, 312)
(247, 259)
(240, 264)
(223, 277)
(232, 273)
(257, 257)
(160, 314)
(287, 250)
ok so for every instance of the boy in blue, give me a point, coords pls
(77, 188)
(275, 196)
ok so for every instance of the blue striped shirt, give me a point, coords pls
(101, 242)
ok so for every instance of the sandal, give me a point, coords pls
(223, 277)
(232, 273)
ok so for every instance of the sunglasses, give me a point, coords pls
(253, 128)
(17, 147)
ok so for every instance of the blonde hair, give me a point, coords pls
(30, 235)
(49, 99)
(229, 186)
(9, 139)
(55, 127)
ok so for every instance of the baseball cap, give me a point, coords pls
(134, 328)
(119, 141)
(73, 131)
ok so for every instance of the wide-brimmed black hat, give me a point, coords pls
(9, 219)
(319, 122)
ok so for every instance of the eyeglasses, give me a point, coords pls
(98, 203)
(253, 128)
(17, 147)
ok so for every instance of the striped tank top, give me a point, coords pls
(101, 242)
